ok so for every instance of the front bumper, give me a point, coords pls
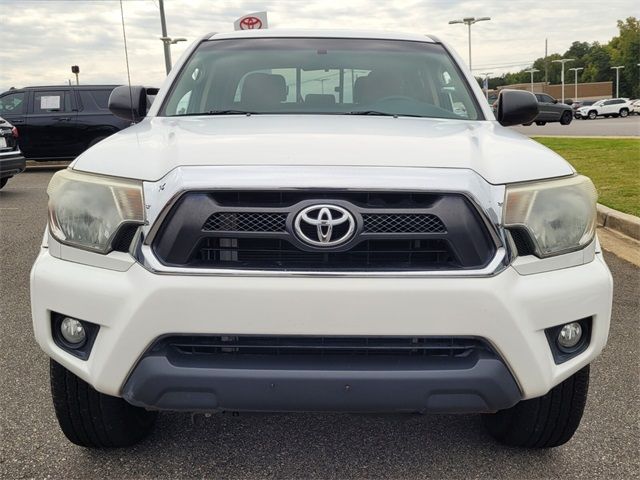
(134, 307)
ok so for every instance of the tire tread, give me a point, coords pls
(546, 421)
(92, 419)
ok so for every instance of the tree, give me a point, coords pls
(625, 50)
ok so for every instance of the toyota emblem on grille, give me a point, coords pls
(324, 225)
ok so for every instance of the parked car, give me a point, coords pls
(635, 107)
(581, 103)
(60, 122)
(551, 110)
(275, 234)
(614, 107)
(11, 160)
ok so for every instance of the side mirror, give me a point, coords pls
(515, 107)
(130, 103)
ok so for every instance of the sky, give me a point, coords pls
(41, 39)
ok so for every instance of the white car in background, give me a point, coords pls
(612, 107)
(635, 107)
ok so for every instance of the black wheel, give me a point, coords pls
(624, 112)
(543, 422)
(592, 115)
(566, 118)
(541, 123)
(3, 182)
(92, 419)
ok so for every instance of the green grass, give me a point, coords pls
(612, 163)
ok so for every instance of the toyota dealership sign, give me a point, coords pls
(251, 21)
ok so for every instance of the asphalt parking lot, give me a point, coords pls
(301, 445)
(600, 127)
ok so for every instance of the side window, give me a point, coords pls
(94, 100)
(51, 102)
(539, 97)
(547, 98)
(12, 103)
(101, 97)
(320, 82)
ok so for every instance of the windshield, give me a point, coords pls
(321, 76)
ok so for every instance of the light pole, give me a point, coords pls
(575, 71)
(468, 21)
(617, 69)
(486, 81)
(167, 41)
(532, 71)
(562, 61)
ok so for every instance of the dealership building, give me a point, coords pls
(585, 91)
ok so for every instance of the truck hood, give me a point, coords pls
(154, 147)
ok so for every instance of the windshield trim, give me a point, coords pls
(161, 112)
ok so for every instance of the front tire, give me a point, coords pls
(541, 123)
(3, 182)
(566, 118)
(624, 112)
(592, 115)
(543, 422)
(92, 419)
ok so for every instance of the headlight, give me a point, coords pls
(560, 215)
(87, 210)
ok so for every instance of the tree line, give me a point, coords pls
(596, 59)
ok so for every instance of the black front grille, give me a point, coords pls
(293, 345)
(245, 222)
(275, 254)
(402, 223)
(395, 231)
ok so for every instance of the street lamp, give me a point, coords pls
(470, 21)
(563, 61)
(575, 71)
(486, 81)
(167, 41)
(617, 69)
(532, 71)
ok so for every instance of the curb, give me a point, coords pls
(624, 223)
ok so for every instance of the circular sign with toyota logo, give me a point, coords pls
(324, 225)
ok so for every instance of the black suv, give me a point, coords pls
(11, 160)
(60, 122)
(551, 110)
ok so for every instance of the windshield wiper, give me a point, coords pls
(382, 114)
(216, 112)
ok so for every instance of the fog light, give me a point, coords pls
(72, 331)
(569, 335)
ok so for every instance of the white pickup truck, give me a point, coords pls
(320, 221)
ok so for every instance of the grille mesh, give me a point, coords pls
(402, 223)
(275, 222)
(245, 222)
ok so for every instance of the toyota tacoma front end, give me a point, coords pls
(320, 221)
